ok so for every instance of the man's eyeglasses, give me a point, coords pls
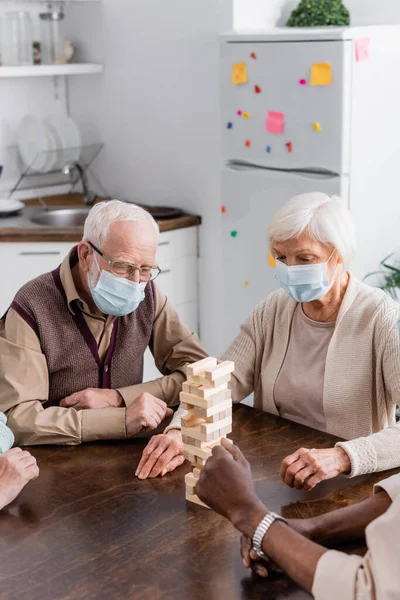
(127, 270)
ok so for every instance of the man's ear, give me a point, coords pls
(84, 253)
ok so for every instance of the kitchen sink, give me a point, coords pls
(62, 217)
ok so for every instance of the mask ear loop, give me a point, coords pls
(333, 279)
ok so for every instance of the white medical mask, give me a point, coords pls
(115, 295)
(305, 283)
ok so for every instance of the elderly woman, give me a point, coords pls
(324, 349)
(16, 466)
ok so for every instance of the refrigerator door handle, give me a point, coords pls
(308, 172)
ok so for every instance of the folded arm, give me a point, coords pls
(24, 387)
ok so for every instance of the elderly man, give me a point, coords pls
(226, 485)
(72, 342)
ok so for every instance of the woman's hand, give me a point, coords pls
(17, 467)
(163, 454)
(307, 468)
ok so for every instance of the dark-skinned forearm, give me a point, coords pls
(291, 551)
(295, 554)
(346, 523)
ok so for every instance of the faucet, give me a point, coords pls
(88, 196)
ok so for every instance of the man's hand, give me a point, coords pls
(226, 485)
(145, 414)
(252, 561)
(16, 469)
(163, 454)
(93, 398)
(306, 468)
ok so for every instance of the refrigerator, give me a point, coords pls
(304, 111)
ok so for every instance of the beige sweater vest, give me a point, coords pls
(362, 375)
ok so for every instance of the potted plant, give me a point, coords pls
(319, 13)
(388, 277)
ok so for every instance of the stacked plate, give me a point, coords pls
(47, 145)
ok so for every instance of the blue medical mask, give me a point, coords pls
(116, 296)
(305, 283)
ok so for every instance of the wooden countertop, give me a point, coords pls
(25, 232)
(87, 528)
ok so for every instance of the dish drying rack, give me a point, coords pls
(70, 166)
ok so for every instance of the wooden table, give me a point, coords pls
(87, 528)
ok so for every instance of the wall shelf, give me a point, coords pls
(51, 70)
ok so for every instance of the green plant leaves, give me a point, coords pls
(319, 13)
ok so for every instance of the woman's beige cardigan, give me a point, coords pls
(362, 373)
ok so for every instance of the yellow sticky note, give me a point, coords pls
(239, 73)
(321, 74)
(317, 126)
(246, 115)
(271, 261)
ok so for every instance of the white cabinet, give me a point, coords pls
(21, 262)
(176, 255)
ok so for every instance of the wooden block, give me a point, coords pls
(200, 452)
(205, 413)
(190, 457)
(191, 421)
(203, 453)
(225, 431)
(207, 392)
(208, 428)
(192, 400)
(208, 383)
(195, 500)
(225, 368)
(199, 463)
(220, 416)
(190, 479)
(185, 406)
(186, 387)
(197, 437)
(191, 490)
(196, 473)
(185, 439)
(200, 366)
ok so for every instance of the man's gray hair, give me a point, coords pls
(104, 214)
(325, 218)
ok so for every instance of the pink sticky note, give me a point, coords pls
(362, 49)
(275, 122)
(302, 82)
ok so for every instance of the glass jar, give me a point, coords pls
(17, 39)
(52, 46)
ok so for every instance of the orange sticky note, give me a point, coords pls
(271, 261)
(239, 73)
(321, 74)
(275, 122)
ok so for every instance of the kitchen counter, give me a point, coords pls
(19, 228)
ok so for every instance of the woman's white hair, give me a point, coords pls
(325, 218)
(104, 214)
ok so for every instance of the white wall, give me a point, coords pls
(156, 109)
(269, 13)
(19, 97)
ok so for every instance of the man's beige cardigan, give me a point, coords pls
(362, 375)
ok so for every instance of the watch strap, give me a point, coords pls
(261, 531)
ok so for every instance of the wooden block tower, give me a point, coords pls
(206, 397)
